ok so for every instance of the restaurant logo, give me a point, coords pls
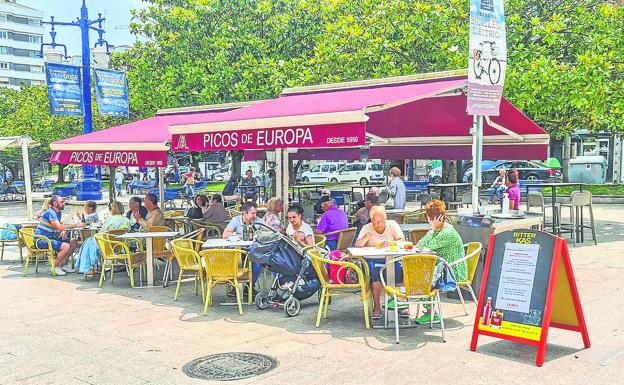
(182, 142)
(56, 157)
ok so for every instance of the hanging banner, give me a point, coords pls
(64, 89)
(111, 92)
(330, 135)
(487, 59)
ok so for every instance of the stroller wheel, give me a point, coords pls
(292, 306)
(262, 300)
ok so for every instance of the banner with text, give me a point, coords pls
(111, 158)
(64, 89)
(334, 135)
(487, 58)
(111, 92)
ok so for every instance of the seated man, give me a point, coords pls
(363, 214)
(498, 186)
(248, 217)
(333, 219)
(216, 211)
(384, 231)
(50, 226)
(155, 216)
(249, 189)
(136, 206)
(229, 192)
(89, 213)
(317, 207)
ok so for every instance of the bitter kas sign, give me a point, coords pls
(528, 286)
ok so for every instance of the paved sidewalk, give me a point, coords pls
(68, 331)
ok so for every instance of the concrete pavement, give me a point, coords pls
(68, 331)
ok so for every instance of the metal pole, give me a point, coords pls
(477, 155)
(27, 186)
(86, 69)
(112, 193)
(278, 174)
(161, 187)
(285, 175)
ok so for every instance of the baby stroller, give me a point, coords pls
(295, 278)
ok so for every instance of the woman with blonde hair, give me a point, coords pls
(445, 241)
(272, 219)
(46, 205)
(88, 254)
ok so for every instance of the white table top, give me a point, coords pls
(213, 243)
(159, 234)
(375, 253)
(394, 211)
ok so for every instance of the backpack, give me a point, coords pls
(194, 213)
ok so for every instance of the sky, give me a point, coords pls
(116, 12)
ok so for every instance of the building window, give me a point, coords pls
(3, 17)
(4, 66)
(21, 67)
(34, 39)
(4, 35)
(19, 82)
(37, 69)
(20, 37)
(18, 19)
(4, 50)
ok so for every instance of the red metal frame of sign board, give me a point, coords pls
(560, 252)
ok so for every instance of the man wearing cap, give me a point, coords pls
(333, 219)
(317, 207)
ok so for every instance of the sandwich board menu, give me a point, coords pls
(527, 286)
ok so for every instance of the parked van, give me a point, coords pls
(320, 172)
(363, 173)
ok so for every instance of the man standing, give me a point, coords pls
(72, 173)
(50, 226)
(190, 182)
(333, 219)
(249, 190)
(119, 177)
(155, 216)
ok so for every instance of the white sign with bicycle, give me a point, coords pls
(487, 58)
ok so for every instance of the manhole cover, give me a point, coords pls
(230, 366)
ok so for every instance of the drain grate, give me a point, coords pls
(230, 366)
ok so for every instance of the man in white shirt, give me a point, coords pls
(119, 177)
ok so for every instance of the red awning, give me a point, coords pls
(422, 117)
(311, 119)
(143, 143)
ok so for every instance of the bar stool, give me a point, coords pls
(536, 199)
(578, 201)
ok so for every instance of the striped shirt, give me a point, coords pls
(45, 227)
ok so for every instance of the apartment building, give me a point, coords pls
(21, 35)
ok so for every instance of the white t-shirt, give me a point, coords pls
(391, 233)
(305, 229)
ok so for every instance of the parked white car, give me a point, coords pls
(320, 172)
(363, 173)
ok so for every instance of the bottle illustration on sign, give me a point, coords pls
(497, 319)
(487, 312)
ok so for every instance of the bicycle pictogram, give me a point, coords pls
(486, 62)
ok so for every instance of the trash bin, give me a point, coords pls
(588, 169)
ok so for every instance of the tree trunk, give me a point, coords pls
(60, 176)
(565, 161)
(293, 168)
(195, 161)
(449, 171)
(237, 158)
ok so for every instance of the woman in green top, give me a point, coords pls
(444, 240)
(89, 251)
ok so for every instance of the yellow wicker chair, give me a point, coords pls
(233, 211)
(412, 217)
(319, 241)
(186, 254)
(17, 241)
(417, 234)
(345, 237)
(116, 253)
(473, 251)
(210, 231)
(222, 267)
(35, 253)
(361, 289)
(174, 213)
(418, 274)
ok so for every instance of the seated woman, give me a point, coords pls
(513, 191)
(443, 240)
(88, 254)
(297, 229)
(200, 208)
(89, 213)
(380, 230)
(216, 211)
(274, 207)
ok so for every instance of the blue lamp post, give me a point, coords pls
(89, 188)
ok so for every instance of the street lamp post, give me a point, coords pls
(89, 188)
